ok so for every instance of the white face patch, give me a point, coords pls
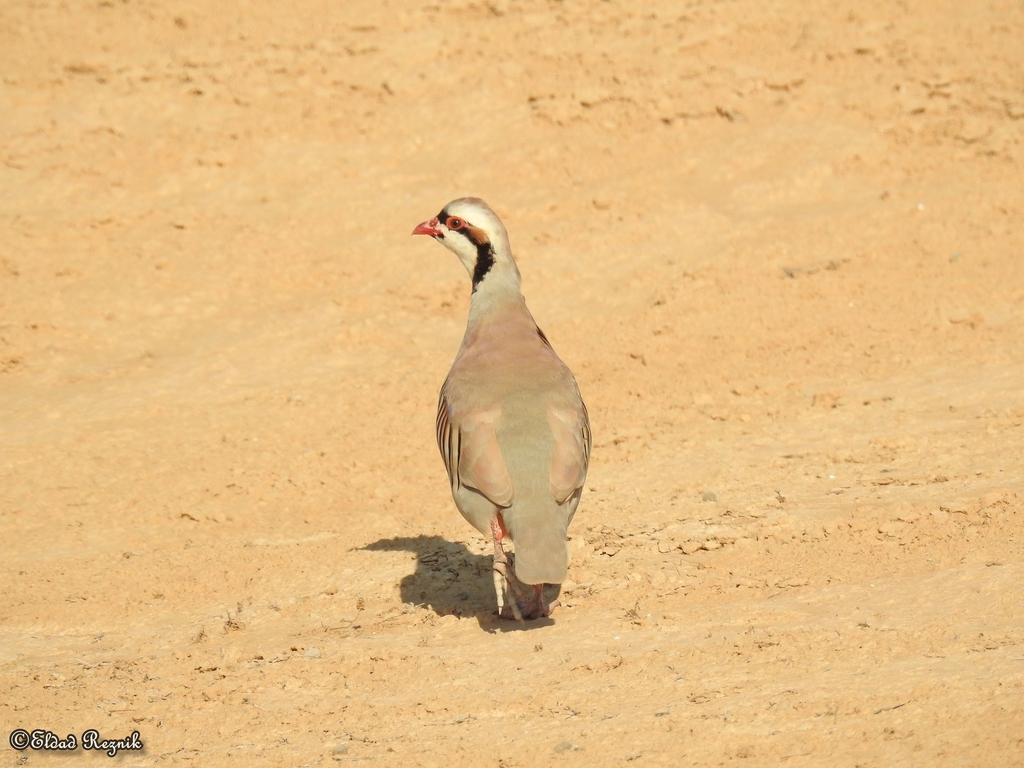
(458, 242)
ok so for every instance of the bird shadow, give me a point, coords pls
(451, 580)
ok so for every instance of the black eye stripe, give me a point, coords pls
(466, 230)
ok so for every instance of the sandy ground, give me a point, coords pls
(781, 247)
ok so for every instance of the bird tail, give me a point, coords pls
(539, 532)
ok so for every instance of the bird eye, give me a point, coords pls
(454, 222)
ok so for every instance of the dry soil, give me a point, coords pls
(779, 243)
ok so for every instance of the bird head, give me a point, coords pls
(473, 232)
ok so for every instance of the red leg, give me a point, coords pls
(503, 571)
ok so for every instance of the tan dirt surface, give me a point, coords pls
(780, 244)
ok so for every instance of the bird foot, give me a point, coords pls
(502, 588)
(532, 607)
(525, 601)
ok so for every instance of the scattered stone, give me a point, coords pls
(567, 746)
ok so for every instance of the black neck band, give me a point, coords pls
(484, 262)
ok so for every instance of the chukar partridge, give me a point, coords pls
(511, 425)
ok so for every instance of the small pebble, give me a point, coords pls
(312, 653)
(567, 746)
(709, 496)
(341, 748)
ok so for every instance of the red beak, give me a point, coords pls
(427, 228)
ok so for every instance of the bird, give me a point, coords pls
(512, 427)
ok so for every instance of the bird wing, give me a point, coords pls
(570, 426)
(471, 452)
